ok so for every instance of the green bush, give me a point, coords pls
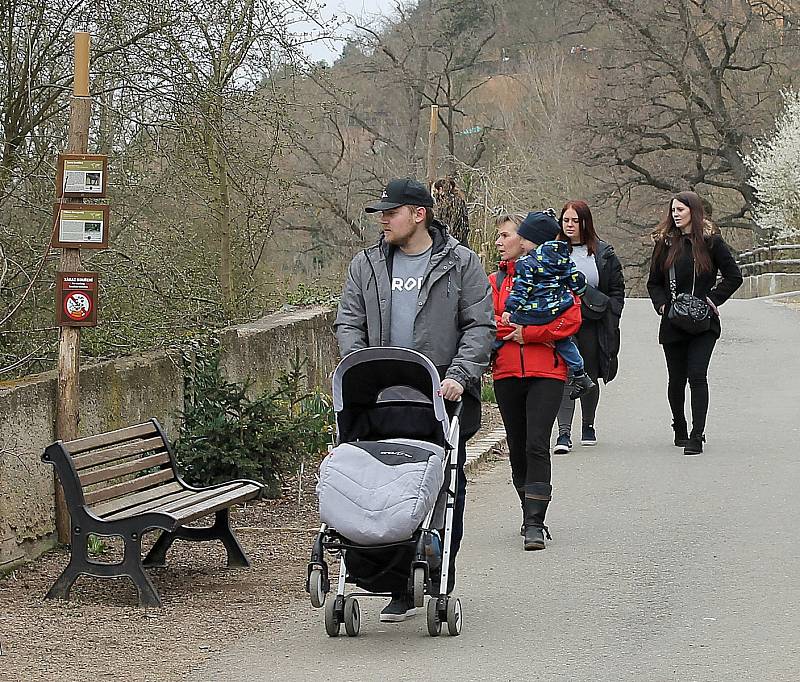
(487, 389)
(226, 434)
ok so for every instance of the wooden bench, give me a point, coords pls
(125, 483)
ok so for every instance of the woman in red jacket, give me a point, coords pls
(529, 379)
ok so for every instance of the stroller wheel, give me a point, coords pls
(454, 619)
(419, 586)
(315, 588)
(332, 622)
(352, 617)
(434, 622)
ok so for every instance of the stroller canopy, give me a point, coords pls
(370, 376)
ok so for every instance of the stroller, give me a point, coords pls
(387, 489)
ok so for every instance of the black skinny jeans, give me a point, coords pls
(528, 407)
(687, 361)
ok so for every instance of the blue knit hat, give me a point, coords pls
(538, 227)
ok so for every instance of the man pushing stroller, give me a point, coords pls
(419, 288)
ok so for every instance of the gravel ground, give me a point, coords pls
(102, 635)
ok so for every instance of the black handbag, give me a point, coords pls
(594, 303)
(688, 312)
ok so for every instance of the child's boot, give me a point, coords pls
(580, 384)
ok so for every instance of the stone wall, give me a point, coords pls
(770, 270)
(128, 391)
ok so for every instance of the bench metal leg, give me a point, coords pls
(133, 567)
(220, 530)
(236, 555)
(64, 582)
(157, 556)
(130, 567)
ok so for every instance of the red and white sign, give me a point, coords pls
(76, 299)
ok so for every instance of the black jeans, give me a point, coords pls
(470, 422)
(588, 342)
(528, 407)
(687, 361)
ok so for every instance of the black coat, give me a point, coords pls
(612, 284)
(706, 284)
(610, 295)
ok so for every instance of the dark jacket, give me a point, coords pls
(705, 283)
(610, 294)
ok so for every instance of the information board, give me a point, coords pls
(82, 176)
(81, 226)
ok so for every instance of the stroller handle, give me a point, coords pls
(457, 409)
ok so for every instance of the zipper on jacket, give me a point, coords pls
(522, 357)
(378, 300)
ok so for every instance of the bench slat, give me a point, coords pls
(75, 447)
(136, 498)
(151, 505)
(112, 491)
(175, 502)
(242, 494)
(109, 473)
(105, 455)
(198, 497)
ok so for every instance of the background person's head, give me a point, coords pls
(577, 225)
(443, 186)
(406, 208)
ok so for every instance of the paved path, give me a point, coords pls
(662, 567)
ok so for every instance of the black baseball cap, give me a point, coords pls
(402, 192)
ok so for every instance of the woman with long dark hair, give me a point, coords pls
(598, 337)
(689, 253)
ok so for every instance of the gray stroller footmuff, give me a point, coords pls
(378, 492)
(387, 491)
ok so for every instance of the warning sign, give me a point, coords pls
(76, 299)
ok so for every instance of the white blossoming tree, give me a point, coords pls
(775, 164)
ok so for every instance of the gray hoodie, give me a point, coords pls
(454, 324)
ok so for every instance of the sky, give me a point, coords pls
(370, 9)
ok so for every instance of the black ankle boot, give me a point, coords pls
(694, 444)
(681, 434)
(537, 498)
(521, 493)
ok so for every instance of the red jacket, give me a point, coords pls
(534, 358)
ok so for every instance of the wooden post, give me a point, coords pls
(431, 171)
(69, 342)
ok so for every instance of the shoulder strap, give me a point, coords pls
(499, 277)
(672, 286)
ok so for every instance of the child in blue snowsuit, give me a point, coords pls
(545, 279)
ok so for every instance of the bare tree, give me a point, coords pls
(681, 88)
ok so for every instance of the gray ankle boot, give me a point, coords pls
(537, 498)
